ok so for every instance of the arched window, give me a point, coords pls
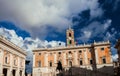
(59, 53)
(80, 51)
(69, 55)
(6, 58)
(70, 42)
(104, 60)
(91, 61)
(70, 35)
(69, 52)
(70, 63)
(81, 62)
(39, 63)
(50, 64)
(15, 60)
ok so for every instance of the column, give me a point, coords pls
(75, 58)
(9, 72)
(96, 56)
(1, 61)
(18, 70)
(23, 72)
(11, 60)
(64, 59)
(11, 65)
(46, 59)
(55, 58)
(33, 65)
(33, 60)
(85, 56)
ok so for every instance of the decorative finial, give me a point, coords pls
(69, 26)
(84, 43)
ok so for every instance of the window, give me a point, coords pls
(104, 60)
(50, 53)
(102, 49)
(80, 51)
(70, 35)
(81, 63)
(70, 63)
(6, 59)
(39, 63)
(21, 63)
(69, 52)
(91, 61)
(14, 62)
(70, 41)
(59, 53)
(39, 53)
(50, 64)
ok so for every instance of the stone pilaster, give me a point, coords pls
(9, 72)
(96, 56)
(75, 58)
(55, 58)
(11, 60)
(33, 59)
(64, 59)
(1, 61)
(46, 59)
(85, 56)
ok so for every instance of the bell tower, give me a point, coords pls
(70, 37)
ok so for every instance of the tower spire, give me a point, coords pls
(69, 26)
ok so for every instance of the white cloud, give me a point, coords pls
(28, 43)
(111, 36)
(87, 34)
(35, 15)
(107, 24)
(95, 29)
(114, 53)
(115, 57)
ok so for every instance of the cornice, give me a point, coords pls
(12, 45)
(73, 47)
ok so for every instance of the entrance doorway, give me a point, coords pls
(5, 72)
(13, 72)
(20, 72)
(70, 63)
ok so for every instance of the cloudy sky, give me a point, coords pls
(42, 23)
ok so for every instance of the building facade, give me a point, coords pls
(89, 56)
(12, 59)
